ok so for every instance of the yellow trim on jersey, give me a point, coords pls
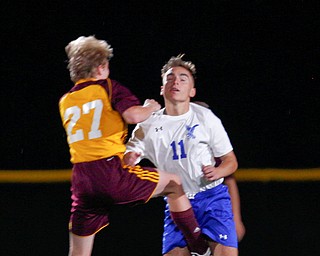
(143, 174)
(70, 228)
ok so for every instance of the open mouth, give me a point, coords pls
(173, 89)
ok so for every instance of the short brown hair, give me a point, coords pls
(85, 54)
(178, 62)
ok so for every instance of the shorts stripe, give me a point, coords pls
(143, 174)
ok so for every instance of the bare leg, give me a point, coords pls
(80, 245)
(222, 250)
(181, 211)
(178, 252)
(170, 185)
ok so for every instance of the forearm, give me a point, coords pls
(131, 158)
(228, 165)
(137, 114)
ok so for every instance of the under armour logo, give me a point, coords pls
(223, 237)
(191, 131)
(158, 129)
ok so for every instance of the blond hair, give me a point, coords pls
(85, 54)
(178, 62)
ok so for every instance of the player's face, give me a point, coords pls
(178, 85)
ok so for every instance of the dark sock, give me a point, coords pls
(189, 226)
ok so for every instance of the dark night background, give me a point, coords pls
(257, 67)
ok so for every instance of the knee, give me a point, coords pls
(175, 185)
(169, 185)
(176, 180)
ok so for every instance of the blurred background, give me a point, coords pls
(257, 67)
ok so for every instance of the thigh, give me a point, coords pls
(80, 245)
(168, 183)
(138, 184)
(108, 182)
(98, 185)
(214, 213)
(222, 250)
(178, 252)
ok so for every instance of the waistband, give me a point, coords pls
(207, 187)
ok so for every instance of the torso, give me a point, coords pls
(183, 144)
(95, 130)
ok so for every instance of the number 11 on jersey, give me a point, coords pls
(174, 149)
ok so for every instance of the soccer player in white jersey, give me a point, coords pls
(185, 138)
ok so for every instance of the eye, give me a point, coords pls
(170, 78)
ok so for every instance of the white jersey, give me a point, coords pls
(182, 144)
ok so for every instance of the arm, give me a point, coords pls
(137, 114)
(228, 166)
(130, 158)
(231, 182)
(135, 147)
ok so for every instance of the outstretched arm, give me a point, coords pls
(131, 158)
(137, 114)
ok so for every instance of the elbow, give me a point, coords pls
(231, 161)
(131, 119)
(236, 165)
(131, 116)
(235, 162)
(136, 114)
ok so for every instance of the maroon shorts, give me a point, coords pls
(98, 185)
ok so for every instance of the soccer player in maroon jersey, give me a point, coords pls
(95, 113)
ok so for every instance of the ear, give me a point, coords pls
(161, 90)
(99, 70)
(192, 92)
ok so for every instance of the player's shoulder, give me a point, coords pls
(115, 82)
(201, 109)
(154, 117)
(62, 98)
(204, 112)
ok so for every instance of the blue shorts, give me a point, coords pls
(213, 211)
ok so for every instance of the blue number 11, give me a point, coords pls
(174, 148)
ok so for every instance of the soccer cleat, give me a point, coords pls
(207, 253)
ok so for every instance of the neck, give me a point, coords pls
(176, 109)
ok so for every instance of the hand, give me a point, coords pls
(130, 158)
(210, 172)
(152, 104)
